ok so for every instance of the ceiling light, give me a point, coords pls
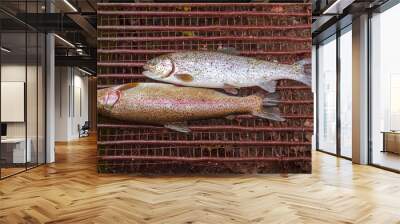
(5, 50)
(70, 5)
(65, 41)
(84, 71)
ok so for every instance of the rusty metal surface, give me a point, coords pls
(129, 34)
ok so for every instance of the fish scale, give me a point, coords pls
(172, 106)
(221, 70)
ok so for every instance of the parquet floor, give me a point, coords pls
(70, 191)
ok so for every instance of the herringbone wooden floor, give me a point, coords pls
(70, 191)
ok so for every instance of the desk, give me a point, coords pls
(391, 141)
(16, 148)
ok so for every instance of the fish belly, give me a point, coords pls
(176, 104)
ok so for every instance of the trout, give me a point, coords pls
(222, 70)
(172, 106)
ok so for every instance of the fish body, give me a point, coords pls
(221, 70)
(166, 104)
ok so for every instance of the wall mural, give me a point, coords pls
(204, 88)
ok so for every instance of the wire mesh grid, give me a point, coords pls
(129, 34)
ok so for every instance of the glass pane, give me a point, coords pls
(385, 84)
(13, 86)
(346, 94)
(327, 96)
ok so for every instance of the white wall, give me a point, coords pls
(61, 103)
(14, 73)
(71, 94)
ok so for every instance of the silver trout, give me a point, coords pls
(221, 70)
(171, 106)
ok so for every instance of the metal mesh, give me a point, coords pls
(129, 34)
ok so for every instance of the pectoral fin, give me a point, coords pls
(184, 77)
(269, 86)
(232, 89)
(230, 117)
(178, 126)
(272, 99)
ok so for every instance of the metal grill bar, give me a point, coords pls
(194, 142)
(132, 51)
(201, 28)
(212, 128)
(199, 13)
(142, 76)
(208, 159)
(205, 4)
(286, 116)
(199, 38)
(120, 64)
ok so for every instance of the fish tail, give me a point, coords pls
(271, 99)
(267, 108)
(271, 113)
(304, 68)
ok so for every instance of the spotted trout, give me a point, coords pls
(172, 106)
(222, 70)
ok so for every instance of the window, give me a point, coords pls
(346, 92)
(385, 89)
(327, 96)
(22, 78)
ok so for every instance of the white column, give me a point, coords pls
(50, 100)
(360, 90)
(50, 92)
(314, 90)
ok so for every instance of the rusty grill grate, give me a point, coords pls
(129, 34)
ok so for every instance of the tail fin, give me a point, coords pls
(272, 99)
(304, 68)
(271, 113)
